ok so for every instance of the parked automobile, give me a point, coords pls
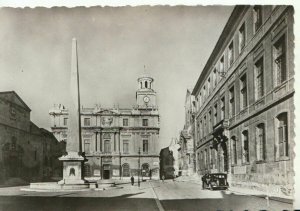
(215, 181)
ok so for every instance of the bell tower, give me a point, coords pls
(145, 95)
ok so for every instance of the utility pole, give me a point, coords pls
(139, 161)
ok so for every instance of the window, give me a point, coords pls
(87, 146)
(215, 77)
(231, 102)
(260, 142)
(65, 121)
(205, 126)
(222, 108)
(125, 146)
(205, 158)
(244, 97)
(87, 121)
(259, 80)
(145, 146)
(146, 84)
(204, 92)
(234, 150)
(210, 156)
(200, 100)
(222, 65)
(198, 130)
(145, 122)
(242, 37)
(201, 130)
(202, 160)
(280, 60)
(125, 122)
(246, 157)
(257, 17)
(210, 121)
(215, 113)
(230, 53)
(282, 128)
(107, 146)
(208, 85)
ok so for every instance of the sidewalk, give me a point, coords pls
(239, 190)
(261, 194)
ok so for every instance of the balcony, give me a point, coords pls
(221, 126)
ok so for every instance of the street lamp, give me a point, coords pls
(139, 166)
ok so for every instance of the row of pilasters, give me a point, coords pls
(97, 144)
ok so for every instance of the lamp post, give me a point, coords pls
(139, 166)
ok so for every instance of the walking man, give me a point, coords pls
(132, 180)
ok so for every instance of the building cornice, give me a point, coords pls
(235, 17)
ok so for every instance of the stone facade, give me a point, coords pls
(244, 115)
(186, 152)
(28, 153)
(116, 140)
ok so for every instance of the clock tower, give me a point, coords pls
(145, 95)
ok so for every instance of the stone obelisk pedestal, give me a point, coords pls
(72, 169)
(73, 162)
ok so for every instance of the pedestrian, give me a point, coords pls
(203, 181)
(163, 178)
(132, 180)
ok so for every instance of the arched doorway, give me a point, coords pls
(125, 170)
(145, 170)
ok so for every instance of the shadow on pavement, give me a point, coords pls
(46, 203)
(127, 202)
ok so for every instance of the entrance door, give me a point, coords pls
(106, 171)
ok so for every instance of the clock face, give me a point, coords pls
(146, 99)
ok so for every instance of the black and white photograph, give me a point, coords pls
(148, 107)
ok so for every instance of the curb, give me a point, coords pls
(273, 198)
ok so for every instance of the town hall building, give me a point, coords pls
(117, 142)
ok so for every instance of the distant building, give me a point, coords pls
(245, 101)
(168, 161)
(186, 139)
(113, 137)
(166, 164)
(27, 153)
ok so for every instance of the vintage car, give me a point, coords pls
(215, 181)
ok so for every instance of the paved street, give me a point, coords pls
(171, 195)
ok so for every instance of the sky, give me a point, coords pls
(114, 44)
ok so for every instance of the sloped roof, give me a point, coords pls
(12, 96)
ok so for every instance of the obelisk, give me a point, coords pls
(73, 162)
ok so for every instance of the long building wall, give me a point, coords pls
(245, 107)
